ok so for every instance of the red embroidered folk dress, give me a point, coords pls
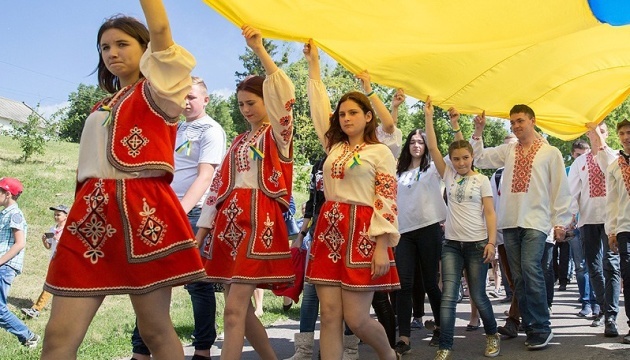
(360, 205)
(248, 240)
(126, 232)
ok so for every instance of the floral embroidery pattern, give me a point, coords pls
(460, 190)
(289, 105)
(332, 237)
(275, 176)
(339, 165)
(366, 247)
(389, 217)
(285, 120)
(267, 235)
(394, 209)
(378, 204)
(242, 150)
(625, 171)
(134, 141)
(286, 134)
(596, 178)
(94, 229)
(523, 166)
(386, 186)
(152, 229)
(233, 234)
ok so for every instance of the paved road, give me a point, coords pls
(574, 338)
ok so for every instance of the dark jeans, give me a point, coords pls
(418, 294)
(204, 308)
(309, 308)
(548, 271)
(525, 248)
(603, 268)
(623, 239)
(423, 245)
(561, 252)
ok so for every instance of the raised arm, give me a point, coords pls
(381, 110)
(157, 22)
(397, 100)
(454, 115)
(432, 143)
(317, 96)
(253, 37)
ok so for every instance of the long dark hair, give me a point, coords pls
(130, 26)
(252, 84)
(405, 155)
(336, 135)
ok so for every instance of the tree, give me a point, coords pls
(72, 118)
(219, 109)
(31, 135)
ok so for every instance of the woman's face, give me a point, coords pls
(352, 119)
(121, 54)
(252, 107)
(417, 146)
(462, 160)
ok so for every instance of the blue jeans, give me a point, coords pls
(204, 308)
(524, 248)
(309, 308)
(421, 246)
(8, 320)
(457, 256)
(623, 241)
(603, 268)
(548, 273)
(587, 295)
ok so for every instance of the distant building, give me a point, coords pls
(11, 110)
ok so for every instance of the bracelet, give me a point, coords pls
(370, 93)
(477, 138)
(303, 233)
(455, 131)
(490, 244)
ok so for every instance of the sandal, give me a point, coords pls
(471, 327)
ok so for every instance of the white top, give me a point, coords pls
(200, 141)
(279, 95)
(55, 239)
(420, 201)
(538, 197)
(168, 72)
(587, 183)
(465, 220)
(393, 141)
(372, 183)
(495, 200)
(617, 193)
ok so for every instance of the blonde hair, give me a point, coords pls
(199, 81)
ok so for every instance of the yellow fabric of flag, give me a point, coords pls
(552, 55)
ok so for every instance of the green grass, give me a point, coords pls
(49, 180)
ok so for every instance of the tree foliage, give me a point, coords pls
(32, 135)
(72, 118)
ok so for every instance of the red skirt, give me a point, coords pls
(124, 237)
(249, 242)
(341, 254)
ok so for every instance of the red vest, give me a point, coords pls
(275, 173)
(141, 136)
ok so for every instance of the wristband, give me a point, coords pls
(455, 131)
(370, 93)
(477, 138)
(303, 233)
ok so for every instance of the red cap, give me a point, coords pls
(12, 185)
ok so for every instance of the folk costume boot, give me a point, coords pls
(350, 347)
(303, 346)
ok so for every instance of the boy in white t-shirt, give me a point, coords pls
(50, 240)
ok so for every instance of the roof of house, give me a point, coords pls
(14, 110)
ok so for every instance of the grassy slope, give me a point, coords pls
(49, 180)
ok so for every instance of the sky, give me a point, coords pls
(48, 48)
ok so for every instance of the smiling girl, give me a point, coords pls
(127, 232)
(470, 237)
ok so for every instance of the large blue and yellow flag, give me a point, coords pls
(567, 59)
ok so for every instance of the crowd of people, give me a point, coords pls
(160, 203)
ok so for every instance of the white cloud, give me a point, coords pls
(47, 110)
(224, 93)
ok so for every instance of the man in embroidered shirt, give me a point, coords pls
(199, 149)
(12, 241)
(588, 187)
(616, 166)
(536, 192)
